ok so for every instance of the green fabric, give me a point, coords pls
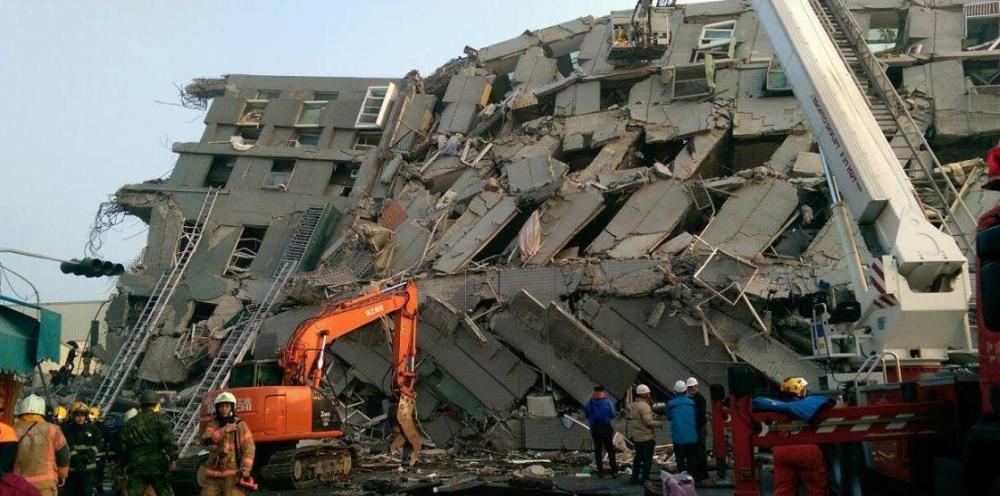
(29, 342)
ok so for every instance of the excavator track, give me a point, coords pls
(306, 468)
(189, 476)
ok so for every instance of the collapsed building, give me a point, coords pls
(570, 219)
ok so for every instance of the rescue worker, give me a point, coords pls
(11, 484)
(230, 458)
(42, 454)
(680, 412)
(641, 426)
(86, 444)
(116, 454)
(600, 411)
(150, 449)
(801, 462)
(102, 455)
(60, 415)
(698, 461)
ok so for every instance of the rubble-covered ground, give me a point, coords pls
(571, 221)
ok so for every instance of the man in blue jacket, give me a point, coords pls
(683, 429)
(600, 411)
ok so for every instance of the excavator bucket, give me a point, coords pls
(408, 432)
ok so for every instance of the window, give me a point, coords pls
(250, 134)
(219, 171)
(307, 137)
(253, 113)
(716, 34)
(268, 94)
(776, 79)
(280, 175)
(982, 28)
(882, 39)
(310, 114)
(375, 106)
(691, 81)
(366, 141)
(327, 96)
(246, 249)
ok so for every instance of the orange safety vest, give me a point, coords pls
(36, 453)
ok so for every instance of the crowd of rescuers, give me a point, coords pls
(71, 451)
(687, 414)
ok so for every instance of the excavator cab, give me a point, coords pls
(255, 373)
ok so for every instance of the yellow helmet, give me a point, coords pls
(60, 413)
(794, 385)
(79, 407)
(95, 414)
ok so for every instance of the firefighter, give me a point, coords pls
(230, 458)
(800, 462)
(102, 456)
(86, 444)
(150, 450)
(42, 454)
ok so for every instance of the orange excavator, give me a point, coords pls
(283, 403)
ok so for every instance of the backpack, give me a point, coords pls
(15, 485)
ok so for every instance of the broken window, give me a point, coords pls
(982, 25)
(327, 96)
(882, 39)
(310, 114)
(776, 80)
(246, 249)
(375, 106)
(219, 172)
(187, 232)
(253, 113)
(691, 81)
(366, 141)
(268, 94)
(306, 137)
(716, 39)
(280, 175)
(249, 134)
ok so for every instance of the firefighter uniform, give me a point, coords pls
(231, 453)
(150, 450)
(86, 445)
(42, 454)
(801, 463)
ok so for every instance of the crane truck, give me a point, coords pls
(922, 430)
(284, 401)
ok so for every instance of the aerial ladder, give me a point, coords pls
(912, 286)
(243, 333)
(120, 370)
(286, 401)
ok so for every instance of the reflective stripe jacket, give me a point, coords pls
(86, 444)
(222, 455)
(42, 454)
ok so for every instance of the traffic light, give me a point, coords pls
(91, 267)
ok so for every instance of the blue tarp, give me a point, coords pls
(24, 340)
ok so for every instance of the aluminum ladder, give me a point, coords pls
(935, 188)
(120, 370)
(242, 335)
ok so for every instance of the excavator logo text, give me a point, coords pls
(374, 310)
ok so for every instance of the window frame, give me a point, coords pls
(262, 95)
(291, 172)
(321, 104)
(375, 119)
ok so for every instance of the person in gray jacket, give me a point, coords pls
(641, 426)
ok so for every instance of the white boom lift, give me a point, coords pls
(915, 298)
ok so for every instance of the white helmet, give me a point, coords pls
(680, 387)
(692, 382)
(225, 397)
(32, 404)
(132, 412)
(642, 389)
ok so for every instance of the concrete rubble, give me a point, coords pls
(553, 208)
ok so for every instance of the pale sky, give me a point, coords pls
(80, 81)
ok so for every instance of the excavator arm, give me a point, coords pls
(302, 357)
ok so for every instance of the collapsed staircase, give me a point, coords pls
(120, 371)
(243, 333)
(938, 191)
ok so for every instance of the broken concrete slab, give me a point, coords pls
(579, 99)
(502, 57)
(613, 155)
(533, 70)
(592, 130)
(486, 215)
(535, 178)
(783, 158)
(566, 350)
(416, 120)
(807, 164)
(468, 89)
(442, 174)
(774, 359)
(564, 215)
(752, 217)
(566, 37)
(702, 156)
(648, 217)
